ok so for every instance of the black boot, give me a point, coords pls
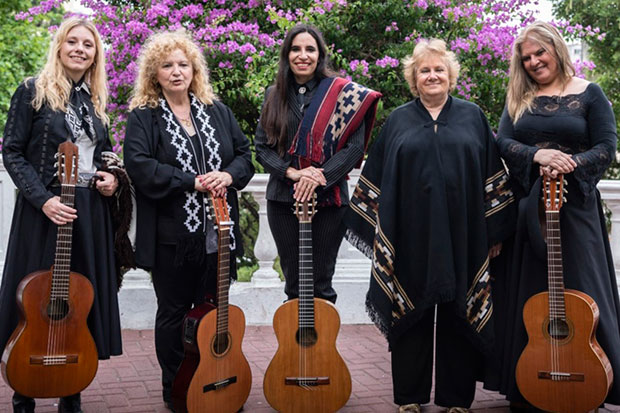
(22, 404)
(70, 404)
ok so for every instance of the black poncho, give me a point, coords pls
(431, 200)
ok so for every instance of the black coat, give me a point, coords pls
(155, 180)
(31, 139)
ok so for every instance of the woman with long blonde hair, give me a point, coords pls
(555, 123)
(66, 101)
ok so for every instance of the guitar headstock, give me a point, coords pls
(220, 208)
(306, 210)
(553, 192)
(67, 163)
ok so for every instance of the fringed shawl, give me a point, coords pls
(426, 209)
(337, 109)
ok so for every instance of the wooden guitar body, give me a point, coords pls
(191, 357)
(583, 372)
(316, 357)
(223, 379)
(28, 364)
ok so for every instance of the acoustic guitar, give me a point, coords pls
(307, 374)
(215, 376)
(562, 368)
(51, 353)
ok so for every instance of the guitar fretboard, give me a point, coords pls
(62, 259)
(223, 278)
(306, 278)
(557, 308)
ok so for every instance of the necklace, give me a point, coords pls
(187, 122)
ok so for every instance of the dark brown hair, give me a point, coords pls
(273, 118)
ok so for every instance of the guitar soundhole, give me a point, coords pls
(57, 309)
(221, 344)
(558, 329)
(306, 336)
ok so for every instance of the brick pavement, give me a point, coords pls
(131, 383)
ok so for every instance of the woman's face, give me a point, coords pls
(175, 73)
(539, 62)
(77, 52)
(432, 78)
(303, 57)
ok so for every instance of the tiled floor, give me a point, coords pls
(131, 383)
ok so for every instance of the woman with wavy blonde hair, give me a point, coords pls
(556, 123)
(180, 143)
(53, 86)
(66, 102)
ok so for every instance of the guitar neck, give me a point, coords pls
(555, 270)
(62, 259)
(306, 278)
(223, 278)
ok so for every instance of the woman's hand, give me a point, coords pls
(304, 188)
(495, 250)
(107, 184)
(216, 182)
(559, 161)
(548, 171)
(310, 172)
(58, 212)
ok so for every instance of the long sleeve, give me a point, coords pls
(151, 177)
(266, 154)
(240, 168)
(339, 165)
(518, 156)
(15, 146)
(592, 163)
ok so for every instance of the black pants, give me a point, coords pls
(327, 234)
(457, 362)
(177, 289)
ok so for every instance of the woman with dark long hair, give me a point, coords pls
(313, 130)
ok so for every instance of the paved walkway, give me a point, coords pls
(131, 383)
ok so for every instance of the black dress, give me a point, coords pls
(582, 125)
(31, 139)
(431, 200)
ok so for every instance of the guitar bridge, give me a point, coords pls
(306, 381)
(219, 384)
(54, 360)
(560, 376)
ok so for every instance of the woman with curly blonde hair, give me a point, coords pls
(66, 101)
(180, 143)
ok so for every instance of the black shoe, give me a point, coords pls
(169, 406)
(70, 404)
(22, 404)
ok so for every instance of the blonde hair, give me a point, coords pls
(53, 85)
(421, 52)
(156, 49)
(521, 87)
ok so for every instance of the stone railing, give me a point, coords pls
(261, 297)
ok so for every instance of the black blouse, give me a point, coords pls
(581, 124)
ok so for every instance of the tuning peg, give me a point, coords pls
(55, 164)
(564, 190)
(56, 155)
(564, 199)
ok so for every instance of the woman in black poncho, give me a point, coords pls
(431, 208)
(66, 100)
(555, 123)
